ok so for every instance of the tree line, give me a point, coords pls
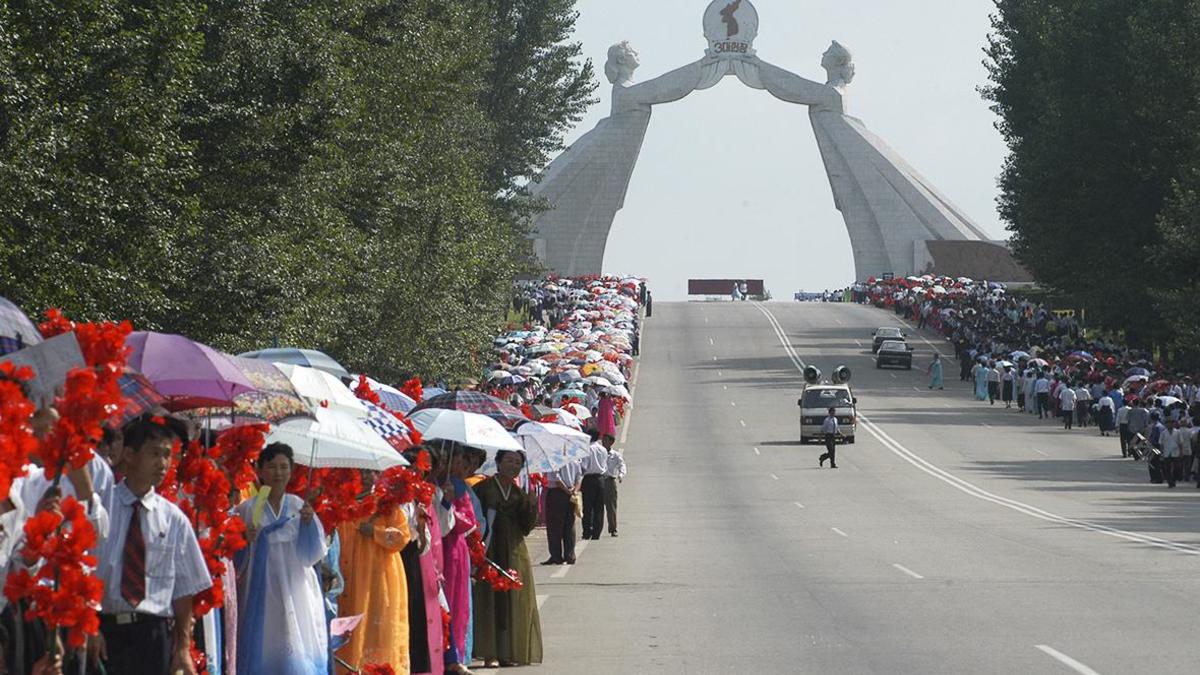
(1099, 103)
(343, 175)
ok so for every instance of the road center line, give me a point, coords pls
(798, 505)
(757, 451)
(973, 490)
(743, 422)
(1066, 660)
(733, 404)
(710, 341)
(839, 532)
(773, 476)
(907, 571)
(1040, 452)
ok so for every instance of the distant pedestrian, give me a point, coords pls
(649, 304)
(1008, 383)
(830, 430)
(1172, 440)
(613, 475)
(1066, 403)
(935, 373)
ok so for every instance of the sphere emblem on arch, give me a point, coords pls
(730, 26)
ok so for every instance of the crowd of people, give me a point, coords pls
(140, 537)
(1025, 356)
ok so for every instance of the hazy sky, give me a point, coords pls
(730, 181)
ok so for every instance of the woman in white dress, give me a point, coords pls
(282, 628)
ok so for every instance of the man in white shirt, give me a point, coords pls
(1041, 389)
(592, 486)
(1172, 440)
(151, 565)
(1123, 428)
(830, 429)
(614, 473)
(1066, 404)
(562, 485)
(1083, 404)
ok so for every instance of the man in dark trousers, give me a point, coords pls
(560, 514)
(151, 565)
(649, 304)
(830, 430)
(594, 466)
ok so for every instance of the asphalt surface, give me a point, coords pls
(955, 537)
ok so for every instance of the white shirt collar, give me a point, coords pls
(148, 500)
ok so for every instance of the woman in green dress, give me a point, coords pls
(507, 628)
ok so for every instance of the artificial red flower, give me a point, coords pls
(376, 669)
(336, 495)
(364, 391)
(238, 449)
(63, 593)
(486, 571)
(56, 323)
(90, 397)
(413, 389)
(17, 442)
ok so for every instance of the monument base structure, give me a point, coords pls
(889, 209)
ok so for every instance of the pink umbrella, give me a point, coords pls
(188, 374)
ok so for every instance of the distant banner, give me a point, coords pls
(724, 286)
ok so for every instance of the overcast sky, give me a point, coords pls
(730, 181)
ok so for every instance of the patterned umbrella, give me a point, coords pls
(475, 402)
(16, 330)
(274, 401)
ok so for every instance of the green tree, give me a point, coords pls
(1089, 97)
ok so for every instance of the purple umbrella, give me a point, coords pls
(188, 374)
(16, 330)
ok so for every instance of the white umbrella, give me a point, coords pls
(579, 410)
(335, 440)
(620, 391)
(597, 381)
(320, 389)
(566, 419)
(549, 447)
(471, 429)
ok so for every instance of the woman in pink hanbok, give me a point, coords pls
(457, 557)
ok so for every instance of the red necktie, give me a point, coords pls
(133, 572)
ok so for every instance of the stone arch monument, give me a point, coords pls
(892, 212)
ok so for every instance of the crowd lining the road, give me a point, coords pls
(407, 570)
(1024, 356)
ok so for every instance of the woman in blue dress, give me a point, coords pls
(935, 372)
(980, 371)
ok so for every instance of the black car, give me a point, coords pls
(884, 334)
(894, 353)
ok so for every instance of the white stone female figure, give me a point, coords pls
(587, 182)
(887, 204)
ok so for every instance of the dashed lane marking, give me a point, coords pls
(907, 571)
(798, 505)
(774, 477)
(1066, 660)
(839, 532)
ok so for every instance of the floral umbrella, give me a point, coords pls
(475, 402)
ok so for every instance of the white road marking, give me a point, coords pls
(733, 404)
(743, 422)
(726, 388)
(925, 339)
(798, 505)
(839, 322)
(985, 424)
(541, 600)
(637, 368)
(1040, 452)
(907, 571)
(893, 376)
(774, 477)
(916, 389)
(564, 569)
(973, 490)
(720, 374)
(706, 319)
(858, 342)
(839, 532)
(1066, 660)
(787, 345)
(714, 358)
(710, 341)
(947, 405)
(757, 451)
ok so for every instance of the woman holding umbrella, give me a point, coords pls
(508, 630)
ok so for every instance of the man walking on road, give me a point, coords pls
(1137, 420)
(1172, 439)
(830, 429)
(1066, 403)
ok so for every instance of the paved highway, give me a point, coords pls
(954, 538)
